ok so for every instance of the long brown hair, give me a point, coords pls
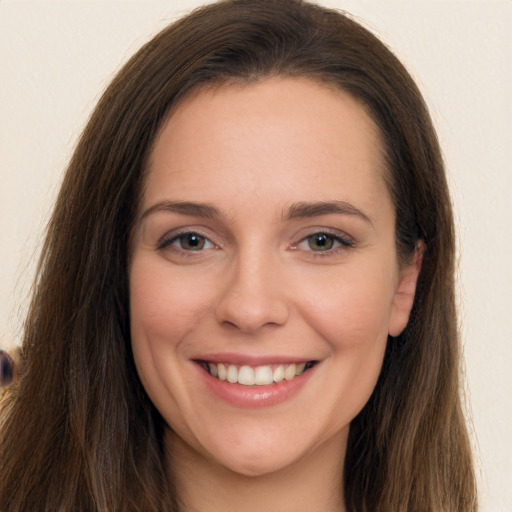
(80, 433)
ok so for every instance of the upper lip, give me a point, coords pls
(252, 359)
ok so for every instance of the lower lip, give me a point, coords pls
(255, 397)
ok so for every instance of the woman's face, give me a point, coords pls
(264, 280)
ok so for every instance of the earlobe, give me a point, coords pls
(404, 294)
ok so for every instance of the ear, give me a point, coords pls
(404, 293)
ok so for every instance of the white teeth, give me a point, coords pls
(263, 375)
(213, 369)
(232, 374)
(279, 373)
(246, 376)
(259, 375)
(290, 371)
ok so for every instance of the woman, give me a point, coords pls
(246, 299)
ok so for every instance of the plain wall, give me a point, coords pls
(57, 56)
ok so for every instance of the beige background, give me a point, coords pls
(57, 56)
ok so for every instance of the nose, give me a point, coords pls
(254, 296)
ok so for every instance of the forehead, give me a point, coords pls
(281, 137)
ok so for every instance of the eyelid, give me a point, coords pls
(344, 240)
(171, 236)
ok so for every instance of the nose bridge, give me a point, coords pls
(253, 295)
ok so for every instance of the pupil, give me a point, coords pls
(321, 242)
(194, 242)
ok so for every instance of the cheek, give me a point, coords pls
(164, 311)
(351, 312)
(352, 309)
(163, 303)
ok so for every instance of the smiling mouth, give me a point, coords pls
(263, 375)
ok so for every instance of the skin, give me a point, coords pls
(261, 287)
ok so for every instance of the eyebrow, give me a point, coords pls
(297, 210)
(204, 210)
(316, 209)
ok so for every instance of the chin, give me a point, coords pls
(255, 451)
(252, 465)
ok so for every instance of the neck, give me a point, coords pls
(313, 483)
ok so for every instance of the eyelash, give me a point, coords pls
(170, 239)
(343, 242)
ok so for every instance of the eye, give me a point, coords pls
(190, 241)
(320, 242)
(324, 242)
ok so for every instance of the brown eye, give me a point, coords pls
(320, 242)
(323, 242)
(191, 242)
